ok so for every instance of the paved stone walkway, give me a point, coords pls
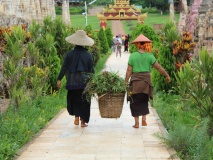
(103, 139)
(117, 27)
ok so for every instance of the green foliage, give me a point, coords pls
(17, 129)
(48, 51)
(169, 33)
(199, 84)
(146, 31)
(54, 65)
(162, 5)
(101, 84)
(152, 19)
(95, 50)
(35, 30)
(34, 54)
(79, 21)
(62, 31)
(73, 10)
(166, 60)
(50, 41)
(159, 4)
(35, 77)
(201, 143)
(58, 10)
(187, 132)
(57, 29)
(102, 2)
(171, 109)
(109, 36)
(13, 66)
(150, 10)
(103, 41)
(190, 142)
(20, 53)
(183, 77)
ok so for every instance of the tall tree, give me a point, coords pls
(162, 5)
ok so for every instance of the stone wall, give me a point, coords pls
(204, 27)
(28, 9)
(10, 20)
(1, 68)
(199, 21)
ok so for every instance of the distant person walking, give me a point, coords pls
(118, 45)
(126, 44)
(123, 39)
(114, 44)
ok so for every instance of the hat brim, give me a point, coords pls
(141, 38)
(81, 40)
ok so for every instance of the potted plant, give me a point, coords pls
(110, 89)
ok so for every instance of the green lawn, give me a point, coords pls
(158, 18)
(80, 21)
(151, 19)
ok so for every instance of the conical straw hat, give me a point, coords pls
(80, 38)
(141, 38)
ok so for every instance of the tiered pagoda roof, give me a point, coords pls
(120, 10)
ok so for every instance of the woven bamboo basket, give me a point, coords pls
(111, 105)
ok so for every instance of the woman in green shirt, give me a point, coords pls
(139, 68)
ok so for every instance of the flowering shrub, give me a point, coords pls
(10, 32)
(36, 74)
(183, 49)
(4, 31)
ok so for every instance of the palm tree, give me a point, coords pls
(65, 12)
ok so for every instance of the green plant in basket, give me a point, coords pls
(105, 83)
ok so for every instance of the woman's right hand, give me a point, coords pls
(168, 79)
(59, 84)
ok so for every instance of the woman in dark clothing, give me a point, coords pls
(77, 66)
(126, 44)
(139, 68)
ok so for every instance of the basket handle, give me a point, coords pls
(102, 96)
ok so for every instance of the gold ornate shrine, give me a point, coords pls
(121, 10)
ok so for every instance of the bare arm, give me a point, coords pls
(162, 71)
(128, 73)
(59, 84)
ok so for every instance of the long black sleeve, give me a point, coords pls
(64, 68)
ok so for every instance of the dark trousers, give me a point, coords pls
(77, 104)
(139, 104)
